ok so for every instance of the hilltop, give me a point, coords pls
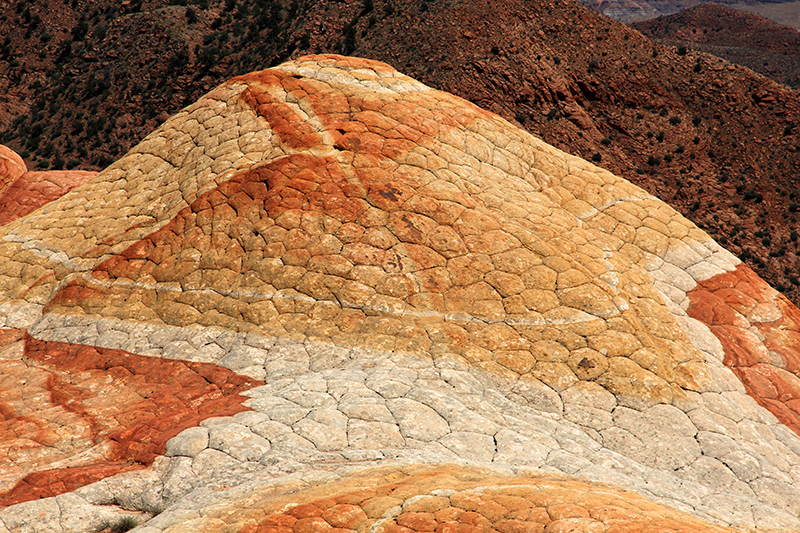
(328, 298)
(717, 141)
(736, 36)
(631, 11)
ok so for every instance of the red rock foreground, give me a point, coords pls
(457, 500)
(95, 412)
(735, 303)
(396, 280)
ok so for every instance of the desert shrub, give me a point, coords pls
(122, 525)
(751, 194)
(79, 31)
(349, 39)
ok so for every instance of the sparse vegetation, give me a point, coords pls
(120, 525)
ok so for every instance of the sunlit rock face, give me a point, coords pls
(12, 166)
(323, 281)
(23, 191)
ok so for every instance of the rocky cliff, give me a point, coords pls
(326, 297)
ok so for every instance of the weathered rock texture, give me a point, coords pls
(720, 143)
(396, 280)
(24, 191)
(11, 166)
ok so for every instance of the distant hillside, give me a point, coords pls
(783, 12)
(737, 36)
(83, 82)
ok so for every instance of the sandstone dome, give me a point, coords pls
(326, 296)
(12, 166)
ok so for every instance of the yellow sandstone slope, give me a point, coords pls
(374, 279)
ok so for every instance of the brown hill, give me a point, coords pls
(717, 141)
(737, 36)
(628, 11)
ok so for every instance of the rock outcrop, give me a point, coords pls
(12, 166)
(327, 297)
(23, 191)
(718, 142)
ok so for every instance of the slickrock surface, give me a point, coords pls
(33, 189)
(11, 166)
(74, 423)
(291, 304)
(23, 191)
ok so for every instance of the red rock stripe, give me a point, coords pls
(772, 379)
(35, 189)
(158, 398)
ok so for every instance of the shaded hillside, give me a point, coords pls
(737, 36)
(629, 11)
(717, 141)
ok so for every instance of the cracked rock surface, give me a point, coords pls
(326, 296)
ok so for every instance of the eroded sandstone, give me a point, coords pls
(391, 276)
